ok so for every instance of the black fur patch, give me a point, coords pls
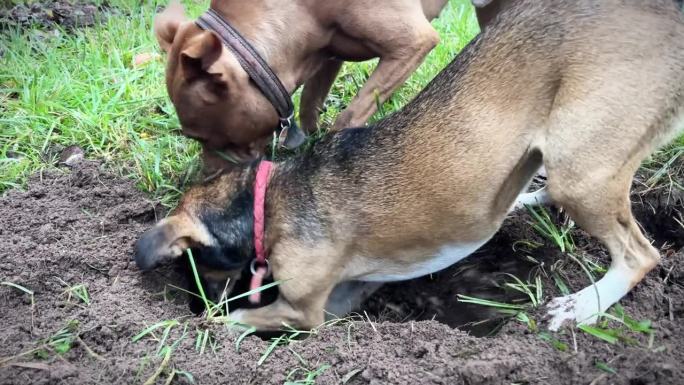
(233, 230)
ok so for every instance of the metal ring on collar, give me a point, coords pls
(253, 268)
(286, 122)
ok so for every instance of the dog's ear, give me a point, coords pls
(166, 24)
(202, 52)
(200, 61)
(168, 239)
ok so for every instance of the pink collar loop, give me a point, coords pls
(260, 266)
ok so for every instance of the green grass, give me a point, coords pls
(307, 376)
(543, 224)
(81, 88)
(78, 291)
(218, 311)
(617, 326)
(29, 292)
(59, 343)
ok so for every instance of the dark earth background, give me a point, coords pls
(77, 226)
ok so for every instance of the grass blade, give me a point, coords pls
(606, 335)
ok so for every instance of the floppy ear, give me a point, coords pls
(200, 61)
(200, 55)
(166, 24)
(168, 239)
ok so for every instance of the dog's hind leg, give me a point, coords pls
(401, 35)
(314, 93)
(598, 200)
(606, 214)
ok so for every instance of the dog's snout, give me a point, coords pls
(147, 249)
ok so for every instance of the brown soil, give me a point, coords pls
(49, 14)
(77, 227)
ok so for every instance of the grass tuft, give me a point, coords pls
(78, 291)
(545, 226)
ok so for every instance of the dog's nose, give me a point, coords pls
(147, 253)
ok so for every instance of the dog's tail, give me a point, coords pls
(517, 180)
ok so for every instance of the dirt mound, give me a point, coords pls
(49, 14)
(75, 229)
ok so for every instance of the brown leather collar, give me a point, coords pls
(290, 135)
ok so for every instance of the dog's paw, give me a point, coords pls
(581, 308)
(237, 315)
(237, 321)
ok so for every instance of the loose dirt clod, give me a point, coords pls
(76, 227)
(71, 156)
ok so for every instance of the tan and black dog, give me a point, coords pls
(305, 42)
(587, 91)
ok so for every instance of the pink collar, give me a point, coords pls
(259, 266)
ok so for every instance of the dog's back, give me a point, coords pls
(591, 87)
(569, 73)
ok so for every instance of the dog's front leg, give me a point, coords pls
(300, 304)
(314, 93)
(277, 315)
(401, 49)
(348, 296)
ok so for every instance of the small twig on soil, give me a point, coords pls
(103, 271)
(574, 339)
(371, 322)
(667, 276)
(160, 369)
(5, 360)
(678, 221)
(88, 350)
(31, 365)
(598, 379)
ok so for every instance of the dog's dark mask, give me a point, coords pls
(220, 238)
(233, 232)
(222, 263)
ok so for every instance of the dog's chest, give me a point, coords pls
(387, 269)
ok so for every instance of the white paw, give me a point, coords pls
(237, 315)
(238, 323)
(581, 307)
(535, 198)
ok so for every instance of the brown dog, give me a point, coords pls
(305, 42)
(582, 91)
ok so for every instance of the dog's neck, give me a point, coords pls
(271, 37)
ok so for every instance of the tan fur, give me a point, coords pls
(305, 42)
(583, 86)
